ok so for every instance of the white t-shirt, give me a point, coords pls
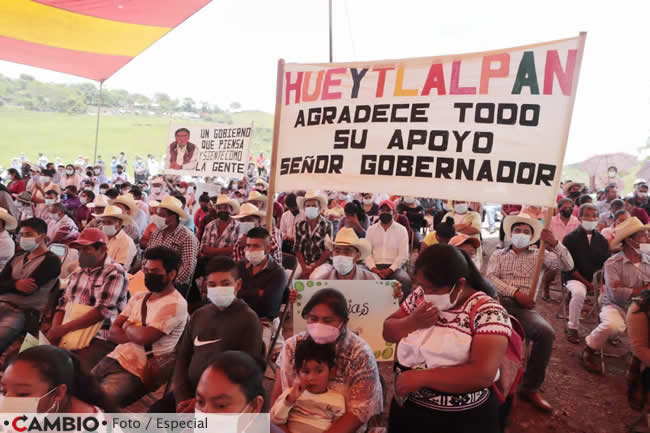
(310, 413)
(121, 248)
(167, 314)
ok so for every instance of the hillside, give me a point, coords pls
(69, 135)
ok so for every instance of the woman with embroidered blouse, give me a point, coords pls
(452, 338)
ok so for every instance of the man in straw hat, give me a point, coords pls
(129, 207)
(7, 246)
(99, 286)
(347, 251)
(27, 279)
(121, 247)
(311, 233)
(511, 271)
(627, 274)
(172, 234)
(250, 217)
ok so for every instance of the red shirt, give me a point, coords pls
(509, 209)
(16, 186)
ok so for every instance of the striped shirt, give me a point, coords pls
(103, 287)
(183, 241)
(509, 272)
(276, 251)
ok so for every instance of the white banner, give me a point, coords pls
(488, 126)
(208, 150)
(369, 304)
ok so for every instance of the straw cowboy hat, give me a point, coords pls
(100, 201)
(261, 182)
(128, 201)
(626, 229)
(511, 220)
(154, 203)
(234, 204)
(311, 195)
(248, 209)
(346, 237)
(114, 212)
(173, 204)
(25, 197)
(460, 239)
(256, 196)
(571, 184)
(10, 221)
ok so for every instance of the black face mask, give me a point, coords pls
(574, 194)
(295, 212)
(87, 260)
(385, 218)
(566, 213)
(223, 215)
(205, 208)
(155, 283)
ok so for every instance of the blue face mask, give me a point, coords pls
(28, 244)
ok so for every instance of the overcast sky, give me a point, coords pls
(228, 52)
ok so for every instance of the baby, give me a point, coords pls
(309, 406)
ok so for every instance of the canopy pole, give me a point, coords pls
(274, 150)
(99, 109)
(330, 10)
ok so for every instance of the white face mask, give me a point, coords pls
(343, 264)
(21, 404)
(644, 252)
(343, 196)
(83, 200)
(222, 297)
(409, 200)
(69, 172)
(520, 240)
(159, 222)
(225, 422)
(109, 230)
(311, 212)
(460, 207)
(255, 257)
(156, 190)
(50, 201)
(244, 227)
(368, 201)
(443, 302)
(589, 225)
(45, 179)
(103, 191)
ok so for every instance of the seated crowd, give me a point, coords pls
(144, 287)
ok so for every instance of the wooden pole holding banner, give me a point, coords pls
(540, 256)
(549, 211)
(330, 13)
(274, 150)
(99, 109)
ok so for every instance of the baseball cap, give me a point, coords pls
(90, 236)
(388, 203)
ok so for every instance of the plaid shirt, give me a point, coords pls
(103, 287)
(509, 272)
(183, 241)
(312, 243)
(211, 236)
(276, 251)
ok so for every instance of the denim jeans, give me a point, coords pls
(12, 322)
(119, 386)
(542, 336)
(491, 214)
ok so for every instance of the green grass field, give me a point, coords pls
(67, 136)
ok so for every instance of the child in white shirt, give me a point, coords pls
(309, 406)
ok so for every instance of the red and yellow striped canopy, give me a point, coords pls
(87, 38)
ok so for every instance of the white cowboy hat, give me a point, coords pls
(173, 204)
(626, 229)
(128, 201)
(154, 203)
(10, 221)
(639, 181)
(348, 238)
(256, 196)
(100, 201)
(567, 186)
(511, 220)
(224, 199)
(260, 181)
(311, 195)
(248, 209)
(114, 212)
